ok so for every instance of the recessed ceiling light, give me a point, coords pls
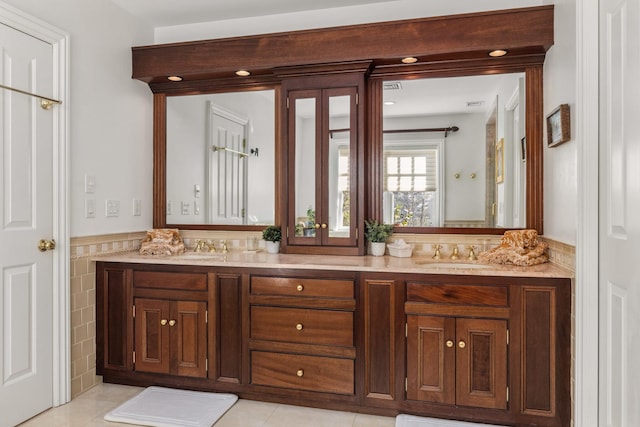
(497, 53)
(243, 73)
(175, 78)
(409, 60)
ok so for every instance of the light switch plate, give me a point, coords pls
(89, 184)
(90, 208)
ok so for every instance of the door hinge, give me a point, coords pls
(134, 311)
(356, 233)
(507, 394)
(357, 99)
(287, 103)
(206, 365)
(406, 330)
(406, 384)
(507, 337)
(206, 316)
(134, 357)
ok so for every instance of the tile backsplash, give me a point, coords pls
(83, 280)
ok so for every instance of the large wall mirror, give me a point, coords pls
(454, 152)
(220, 156)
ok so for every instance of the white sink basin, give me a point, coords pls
(452, 265)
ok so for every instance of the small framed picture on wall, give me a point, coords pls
(559, 126)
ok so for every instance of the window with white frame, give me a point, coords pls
(411, 186)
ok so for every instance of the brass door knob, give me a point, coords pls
(449, 343)
(462, 344)
(46, 245)
(300, 372)
(172, 322)
(299, 326)
(163, 322)
(300, 288)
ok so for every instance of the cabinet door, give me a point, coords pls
(481, 363)
(152, 335)
(431, 358)
(188, 329)
(323, 153)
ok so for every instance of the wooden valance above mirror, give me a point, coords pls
(446, 46)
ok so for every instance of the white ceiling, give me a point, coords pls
(177, 12)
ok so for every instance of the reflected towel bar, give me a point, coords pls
(45, 102)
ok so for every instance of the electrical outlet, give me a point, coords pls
(112, 208)
(90, 208)
(137, 207)
(169, 207)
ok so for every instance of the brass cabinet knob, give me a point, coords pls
(163, 322)
(299, 326)
(300, 288)
(317, 226)
(324, 225)
(172, 322)
(46, 245)
(300, 372)
(449, 343)
(462, 344)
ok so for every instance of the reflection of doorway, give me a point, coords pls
(491, 131)
(227, 168)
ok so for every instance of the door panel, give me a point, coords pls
(26, 205)
(152, 335)
(619, 200)
(430, 361)
(481, 363)
(189, 338)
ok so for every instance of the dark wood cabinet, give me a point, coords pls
(171, 337)
(487, 349)
(322, 204)
(457, 361)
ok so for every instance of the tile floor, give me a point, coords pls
(88, 409)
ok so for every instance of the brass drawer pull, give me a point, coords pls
(299, 326)
(449, 343)
(462, 344)
(300, 373)
(300, 288)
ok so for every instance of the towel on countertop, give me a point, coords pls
(517, 247)
(162, 241)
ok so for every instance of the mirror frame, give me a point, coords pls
(454, 45)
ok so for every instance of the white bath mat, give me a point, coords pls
(403, 420)
(167, 407)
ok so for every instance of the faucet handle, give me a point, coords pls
(211, 245)
(199, 245)
(436, 254)
(224, 249)
(472, 254)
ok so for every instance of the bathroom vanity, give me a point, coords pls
(380, 335)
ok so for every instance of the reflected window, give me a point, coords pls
(411, 186)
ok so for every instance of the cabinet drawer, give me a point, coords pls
(301, 287)
(323, 327)
(493, 296)
(169, 280)
(323, 374)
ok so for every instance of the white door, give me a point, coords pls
(26, 205)
(619, 199)
(227, 167)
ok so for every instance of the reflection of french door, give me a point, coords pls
(227, 168)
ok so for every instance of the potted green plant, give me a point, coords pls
(309, 228)
(272, 236)
(377, 234)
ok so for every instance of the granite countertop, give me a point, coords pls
(383, 264)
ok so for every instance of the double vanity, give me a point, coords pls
(379, 335)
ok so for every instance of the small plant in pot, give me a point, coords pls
(272, 236)
(377, 234)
